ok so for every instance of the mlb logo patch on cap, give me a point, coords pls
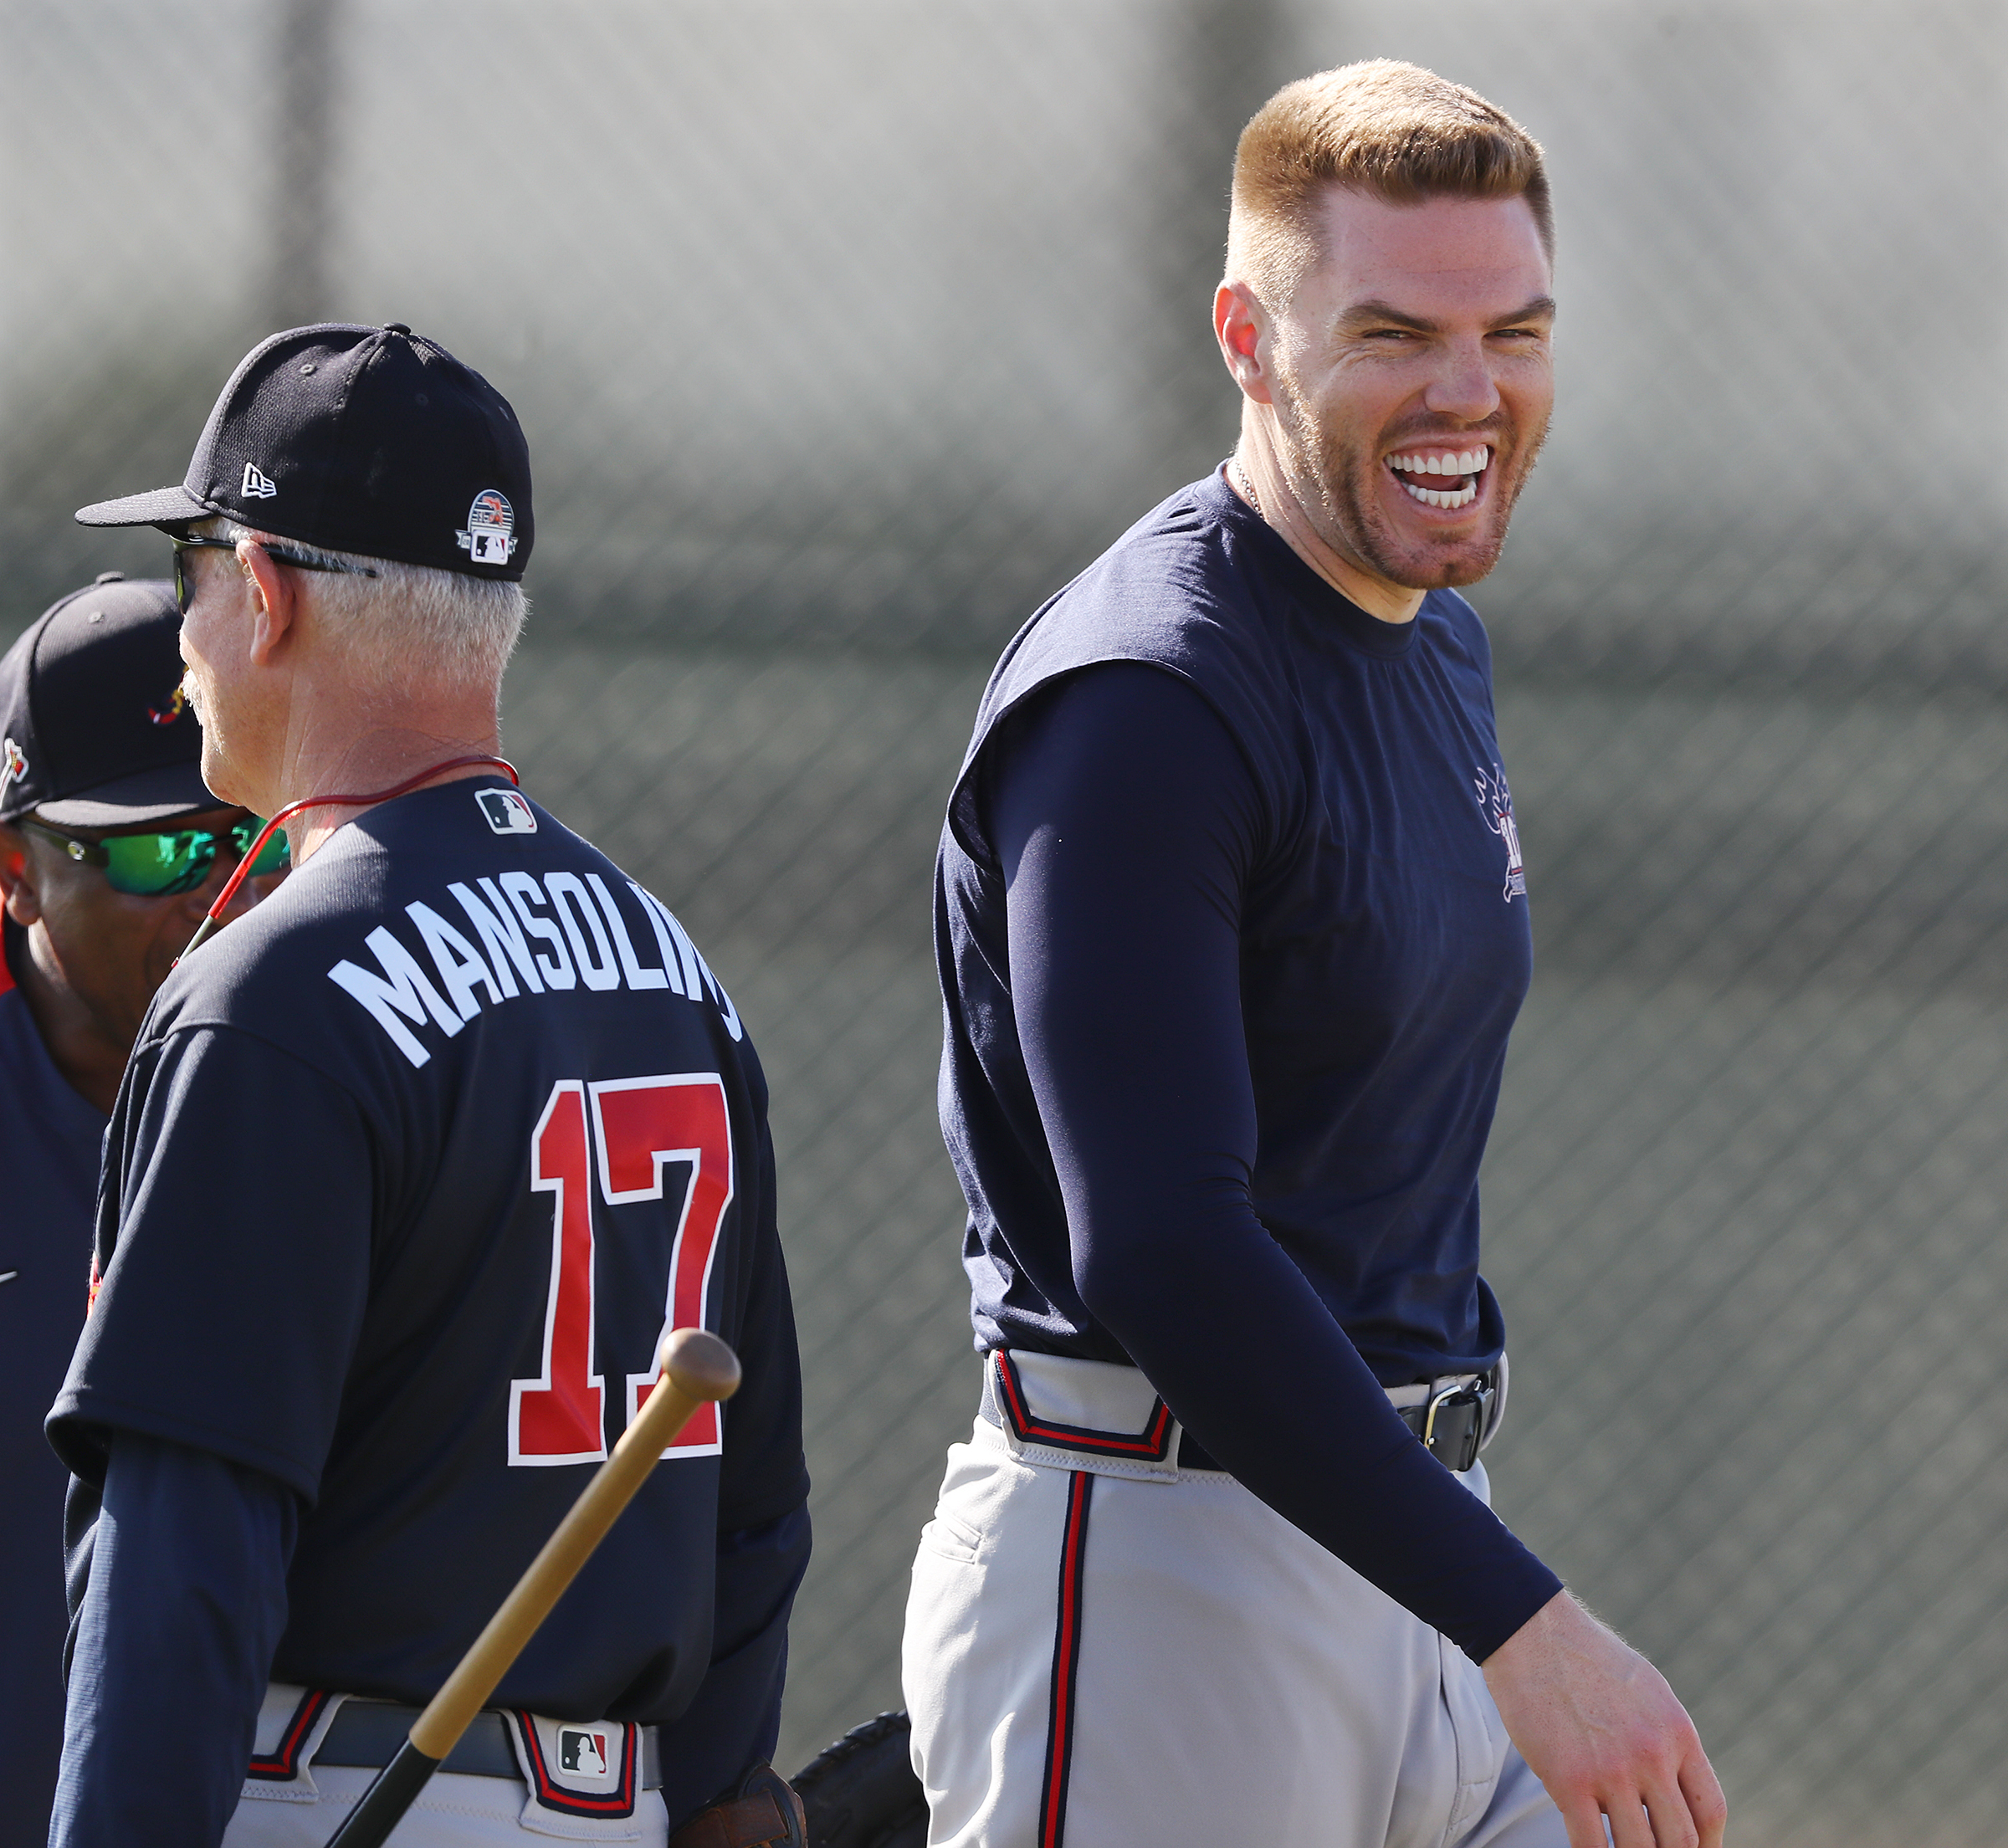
(507, 812)
(490, 538)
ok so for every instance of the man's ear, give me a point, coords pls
(1241, 325)
(17, 887)
(274, 603)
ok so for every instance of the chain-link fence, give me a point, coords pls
(844, 332)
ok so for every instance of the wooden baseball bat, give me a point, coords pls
(697, 1367)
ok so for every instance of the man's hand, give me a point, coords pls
(1600, 1728)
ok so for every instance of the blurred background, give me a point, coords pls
(845, 332)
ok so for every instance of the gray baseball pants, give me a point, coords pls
(1103, 1649)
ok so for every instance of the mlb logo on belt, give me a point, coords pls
(582, 1752)
(507, 812)
(577, 1767)
(490, 537)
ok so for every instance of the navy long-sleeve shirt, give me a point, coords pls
(1231, 929)
(178, 1594)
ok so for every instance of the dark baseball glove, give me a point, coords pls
(862, 1793)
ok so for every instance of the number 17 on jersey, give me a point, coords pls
(636, 1128)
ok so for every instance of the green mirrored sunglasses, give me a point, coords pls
(156, 866)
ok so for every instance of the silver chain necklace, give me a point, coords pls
(1248, 486)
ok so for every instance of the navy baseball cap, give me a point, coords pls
(358, 439)
(95, 729)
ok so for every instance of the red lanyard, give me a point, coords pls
(258, 847)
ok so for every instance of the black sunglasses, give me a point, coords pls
(184, 591)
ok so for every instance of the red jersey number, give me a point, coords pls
(639, 1126)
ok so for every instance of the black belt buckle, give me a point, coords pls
(1454, 1420)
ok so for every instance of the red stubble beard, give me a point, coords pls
(1340, 480)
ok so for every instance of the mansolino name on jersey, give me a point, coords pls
(554, 933)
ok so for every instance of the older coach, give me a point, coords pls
(402, 1187)
(111, 851)
(1232, 924)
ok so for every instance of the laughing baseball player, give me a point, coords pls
(402, 1188)
(1231, 928)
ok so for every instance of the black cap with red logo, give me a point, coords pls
(369, 440)
(95, 729)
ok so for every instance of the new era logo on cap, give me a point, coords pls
(258, 485)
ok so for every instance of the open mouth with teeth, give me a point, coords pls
(1441, 478)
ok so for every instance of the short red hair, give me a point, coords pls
(1396, 131)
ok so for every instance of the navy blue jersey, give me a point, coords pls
(49, 1139)
(411, 1169)
(1383, 937)
(1125, 822)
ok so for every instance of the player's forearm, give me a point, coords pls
(1603, 1731)
(183, 1610)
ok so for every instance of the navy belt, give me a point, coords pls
(367, 1733)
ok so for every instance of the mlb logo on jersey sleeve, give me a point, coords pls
(507, 812)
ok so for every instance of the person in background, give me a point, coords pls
(110, 851)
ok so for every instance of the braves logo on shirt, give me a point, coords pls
(1495, 799)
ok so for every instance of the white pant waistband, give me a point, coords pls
(1106, 1416)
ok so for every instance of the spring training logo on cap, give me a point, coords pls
(490, 537)
(14, 765)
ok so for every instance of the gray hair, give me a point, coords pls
(409, 614)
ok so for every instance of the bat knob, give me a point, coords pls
(698, 1364)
